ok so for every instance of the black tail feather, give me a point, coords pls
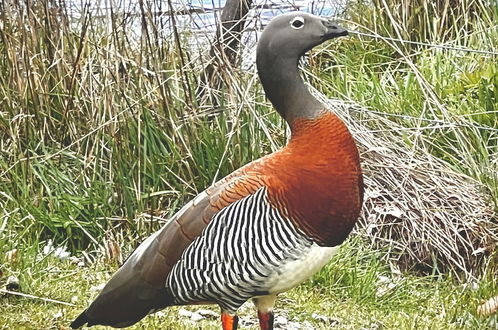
(80, 320)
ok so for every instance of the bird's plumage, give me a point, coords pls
(261, 230)
(237, 255)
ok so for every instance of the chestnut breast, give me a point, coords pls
(317, 180)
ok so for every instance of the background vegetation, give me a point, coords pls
(100, 124)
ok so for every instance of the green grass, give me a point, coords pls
(348, 292)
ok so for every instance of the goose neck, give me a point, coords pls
(285, 88)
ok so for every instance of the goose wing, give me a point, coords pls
(138, 287)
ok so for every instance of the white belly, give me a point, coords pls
(296, 271)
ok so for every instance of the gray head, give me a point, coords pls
(282, 43)
(295, 33)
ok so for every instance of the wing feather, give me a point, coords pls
(138, 286)
(245, 245)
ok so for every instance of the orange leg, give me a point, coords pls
(229, 322)
(265, 320)
(264, 305)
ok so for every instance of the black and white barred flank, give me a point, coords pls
(237, 255)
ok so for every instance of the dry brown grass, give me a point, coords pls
(431, 218)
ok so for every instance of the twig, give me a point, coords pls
(35, 297)
(426, 44)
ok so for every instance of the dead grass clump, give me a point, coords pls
(432, 218)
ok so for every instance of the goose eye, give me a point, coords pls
(297, 22)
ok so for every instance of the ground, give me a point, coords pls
(359, 289)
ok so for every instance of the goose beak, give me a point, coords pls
(334, 30)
